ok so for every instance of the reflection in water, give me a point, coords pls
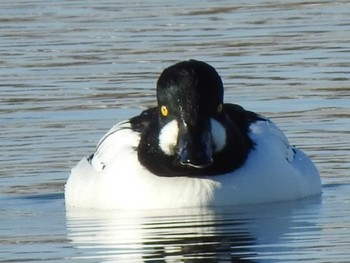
(188, 235)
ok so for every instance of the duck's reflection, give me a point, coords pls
(187, 235)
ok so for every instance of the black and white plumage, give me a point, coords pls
(191, 150)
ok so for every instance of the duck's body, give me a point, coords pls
(192, 150)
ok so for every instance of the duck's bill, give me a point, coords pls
(195, 150)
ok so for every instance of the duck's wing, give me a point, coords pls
(241, 117)
(265, 132)
(124, 136)
(260, 129)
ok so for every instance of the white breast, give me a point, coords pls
(274, 171)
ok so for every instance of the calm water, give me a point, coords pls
(71, 69)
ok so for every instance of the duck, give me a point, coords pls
(191, 150)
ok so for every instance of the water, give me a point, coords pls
(71, 69)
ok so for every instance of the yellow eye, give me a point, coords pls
(164, 110)
(219, 108)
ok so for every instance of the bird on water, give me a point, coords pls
(191, 150)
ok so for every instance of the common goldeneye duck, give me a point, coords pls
(191, 150)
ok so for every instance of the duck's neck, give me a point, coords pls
(231, 157)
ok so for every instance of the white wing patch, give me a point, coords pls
(267, 132)
(117, 140)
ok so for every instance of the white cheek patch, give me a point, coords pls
(218, 133)
(168, 137)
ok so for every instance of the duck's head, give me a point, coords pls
(190, 104)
